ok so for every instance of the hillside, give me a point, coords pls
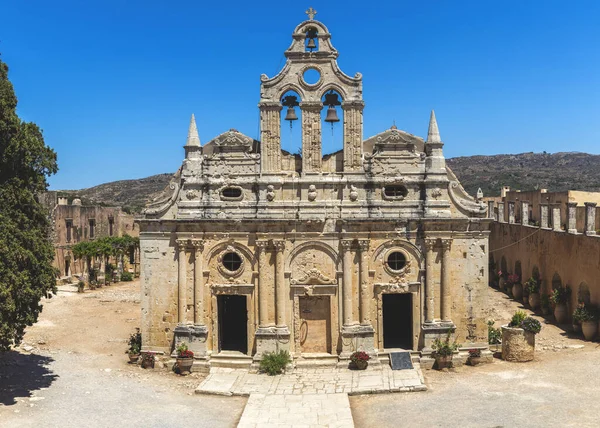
(525, 171)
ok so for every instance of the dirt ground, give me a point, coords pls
(72, 371)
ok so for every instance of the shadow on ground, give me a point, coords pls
(22, 374)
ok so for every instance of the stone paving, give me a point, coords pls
(298, 411)
(300, 381)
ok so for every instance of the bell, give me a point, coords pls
(332, 115)
(291, 114)
(311, 44)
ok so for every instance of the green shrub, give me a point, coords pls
(135, 342)
(532, 285)
(517, 319)
(561, 295)
(584, 313)
(444, 347)
(126, 276)
(80, 286)
(273, 363)
(532, 325)
(494, 334)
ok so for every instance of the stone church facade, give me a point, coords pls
(376, 247)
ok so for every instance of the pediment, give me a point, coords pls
(231, 141)
(394, 139)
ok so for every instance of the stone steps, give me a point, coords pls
(316, 360)
(231, 360)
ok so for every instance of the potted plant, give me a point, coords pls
(360, 360)
(185, 358)
(578, 314)
(560, 297)
(474, 356)
(494, 335)
(135, 346)
(147, 360)
(443, 351)
(517, 288)
(533, 289)
(588, 319)
(546, 305)
(518, 338)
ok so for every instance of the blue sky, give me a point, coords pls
(113, 83)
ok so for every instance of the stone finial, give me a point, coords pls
(479, 194)
(433, 134)
(193, 139)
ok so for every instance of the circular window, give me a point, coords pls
(232, 261)
(396, 261)
(232, 192)
(311, 76)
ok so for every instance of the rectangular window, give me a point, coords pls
(69, 224)
(111, 222)
(92, 227)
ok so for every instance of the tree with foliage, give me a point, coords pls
(26, 272)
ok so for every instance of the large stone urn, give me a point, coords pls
(534, 300)
(589, 329)
(518, 345)
(517, 291)
(560, 313)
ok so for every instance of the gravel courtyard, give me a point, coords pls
(72, 371)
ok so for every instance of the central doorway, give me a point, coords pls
(233, 323)
(397, 321)
(315, 324)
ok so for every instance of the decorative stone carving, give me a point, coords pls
(191, 194)
(313, 276)
(270, 192)
(353, 193)
(436, 193)
(312, 192)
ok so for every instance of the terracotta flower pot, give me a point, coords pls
(517, 344)
(133, 358)
(185, 364)
(534, 300)
(474, 361)
(443, 361)
(589, 329)
(517, 291)
(560, 313)
(361, 364)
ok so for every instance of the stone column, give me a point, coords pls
(429, 293)
(501, 218)
(311, 136)
(590, 218)
(270, 135)
(263, 285)
(347, 282)
(525, 213)
(280, 288)
(353, 126)
(491, 213)
(198, 283)
(544, 216)
(446, 310)
(556, 217)
(572, 217)
(181, 279)
(511, 212)
(365, 289)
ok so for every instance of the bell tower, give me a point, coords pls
(311, 52)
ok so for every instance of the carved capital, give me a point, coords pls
(279, 245)
(429, 243)
(262, 245)
(363, 245)
(353, 105)
(315, 106)
(198, 245)
(446, 243)
(181, 244)
(270, 106)
(346, 244)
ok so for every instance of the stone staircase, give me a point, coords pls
(231, 360)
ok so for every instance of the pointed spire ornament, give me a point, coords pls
(193, 139)
(433, 134)
(479, 194)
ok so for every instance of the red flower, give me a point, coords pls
(186, 354)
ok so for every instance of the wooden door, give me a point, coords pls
(315, 325)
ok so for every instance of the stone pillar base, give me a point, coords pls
(431, 331)
(358, 338)
(271, 339)
(195, 338)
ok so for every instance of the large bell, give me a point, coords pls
(291, 114)
(332, 115)
(311, 44)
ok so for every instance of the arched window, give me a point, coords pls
(291, 124)
(332, 117)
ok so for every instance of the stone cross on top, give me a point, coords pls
(311, 13)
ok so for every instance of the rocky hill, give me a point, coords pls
(525, 171)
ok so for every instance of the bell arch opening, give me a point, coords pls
(291, 124)
(332, 117)
(311, 41)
